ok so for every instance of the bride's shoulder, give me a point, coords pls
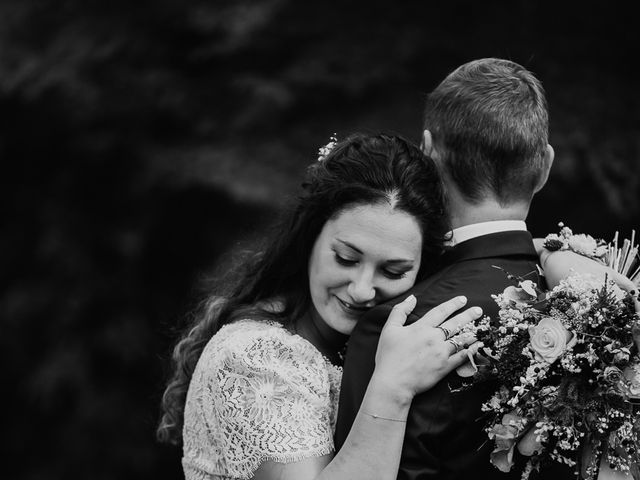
(247, 331)
(260, 342)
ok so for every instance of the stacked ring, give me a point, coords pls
(447, 333)
(456, 345)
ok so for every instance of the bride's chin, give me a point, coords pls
(346, 323)
(348, 328)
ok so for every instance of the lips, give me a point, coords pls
(352, 309)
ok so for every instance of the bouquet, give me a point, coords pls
(568, 371)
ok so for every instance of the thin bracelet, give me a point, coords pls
(385, 418)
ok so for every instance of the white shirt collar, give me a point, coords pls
(467, 232)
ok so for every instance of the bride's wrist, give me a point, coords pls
(389, 392)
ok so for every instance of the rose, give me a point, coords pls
(505, 435)
(621, 355)
(548, 396)
(625, 383)
(550, 339)
(617, 387)
(612, 374)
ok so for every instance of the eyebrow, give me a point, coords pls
(393, 260)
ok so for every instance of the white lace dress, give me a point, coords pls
(258, 393)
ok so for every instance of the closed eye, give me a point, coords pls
(347, 262)
(394, 275)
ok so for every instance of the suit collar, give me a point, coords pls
(473, 230)
(500, 244)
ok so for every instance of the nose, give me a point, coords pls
(361, 288)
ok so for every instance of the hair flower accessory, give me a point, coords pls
(326, 149)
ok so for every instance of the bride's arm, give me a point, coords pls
(410, 359)
(558, 265)
(372, 449)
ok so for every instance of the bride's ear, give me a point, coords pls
(549, 155)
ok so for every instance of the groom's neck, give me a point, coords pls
(463, 213)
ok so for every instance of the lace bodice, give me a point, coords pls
(258, 393)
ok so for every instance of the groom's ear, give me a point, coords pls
(427, 143)
(549, 155)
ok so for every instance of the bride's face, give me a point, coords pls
(362, 257)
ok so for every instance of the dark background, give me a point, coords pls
(141, 140)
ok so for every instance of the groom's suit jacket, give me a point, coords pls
(444, 439)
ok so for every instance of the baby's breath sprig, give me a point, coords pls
(326, 149)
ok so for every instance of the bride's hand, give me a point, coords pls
(415, 357)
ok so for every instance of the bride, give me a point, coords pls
(255, 388)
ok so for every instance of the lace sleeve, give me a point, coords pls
(272, 401)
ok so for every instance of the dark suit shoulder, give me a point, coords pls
(451, 443)
(477, 279)
(377, 316)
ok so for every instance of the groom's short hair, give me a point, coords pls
(490, 124)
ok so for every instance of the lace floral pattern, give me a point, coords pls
(258, 393)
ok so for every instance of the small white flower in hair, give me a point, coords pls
(326, 149)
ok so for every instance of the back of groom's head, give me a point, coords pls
(489, 123)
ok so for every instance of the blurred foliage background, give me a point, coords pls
(142, 141)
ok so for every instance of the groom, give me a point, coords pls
(486, 127)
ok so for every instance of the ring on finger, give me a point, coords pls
(447, 333)
(456, 344)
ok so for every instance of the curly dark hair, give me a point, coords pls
(361, 170)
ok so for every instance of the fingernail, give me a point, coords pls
(477, 310)
(462, 300)
(410, 298)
